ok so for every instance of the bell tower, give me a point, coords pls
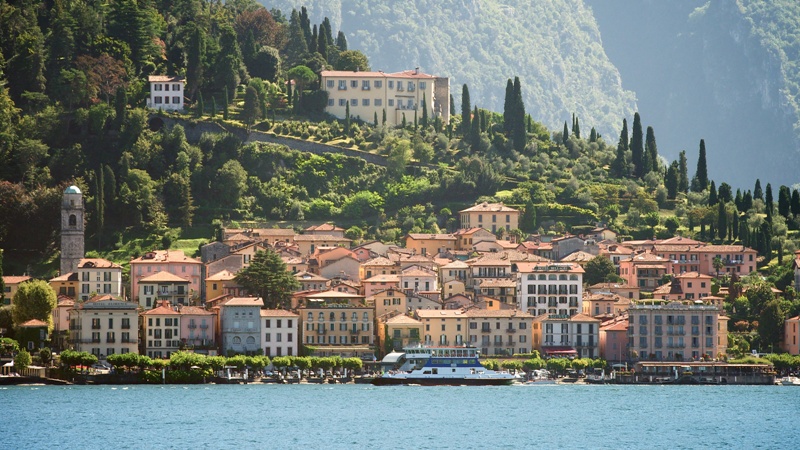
(71, 229)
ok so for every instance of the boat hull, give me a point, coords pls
(391, 381)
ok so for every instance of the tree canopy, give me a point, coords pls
(267, 277)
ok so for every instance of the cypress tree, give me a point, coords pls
(326, 32)
(195, 56)
(508, 108)
(313, 43)
(347, 118)
(722, 220)
(738, 199)
(683, 180)
(577, 130)
(519, 135)
(225, 102)
(200, 105)
(120, 107)
(452, 105)
(766, 239)
(784, 201)
(383, 119)
(415, 120)
(322, 44)
(637, 147)
(671, 180)
(757, 192)
(747, 202)
(794, 205)
(341, 42)
(297, 45)
(623, 135)
(305, 24)
(651, 148)
(375, 120)
(700, 180)
(735, 225)
(593, 135)
(769, 203)
(565, 134)
(403, 123)
(100, 188)
(466, 109)
(712, 194)
(528, 222)
(619, 166)
(424, 112)
(744, 231)
(475, 134)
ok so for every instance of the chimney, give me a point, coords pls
(416, 71)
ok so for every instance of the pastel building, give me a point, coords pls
(549, 288)
(104, 325)
(338, 323)
(397, 95)
(401, 330)
(559, 335)
(240, 325)
(166, 92)
(791, 336)
(489, 216)
(172, 261)
(99, 276)
(161, 286)
(677, 331)
(11, 285)
(279, 332)
(161, 334)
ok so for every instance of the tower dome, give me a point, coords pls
(72, 190)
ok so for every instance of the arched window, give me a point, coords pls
(310, 317)
(366, 317)
(343, 317)
(333, 316)
(73, 221)
(237, 340)
(355, 316)
(321, 316)
(251, 340)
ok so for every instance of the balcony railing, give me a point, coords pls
(129, 341)
(511, 330)
(203, 326)
(95, 327)
(110, 340)
(354, 331)
(192, 325)
(486, 330)
(126, 326)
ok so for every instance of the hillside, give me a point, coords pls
(553, 46)
(724, 71)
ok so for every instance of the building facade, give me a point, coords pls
(489, 216)
(99, 276)
(279, 332)
(161, 286)
(172, 261)
(550, 288)
(104, 325)
(166, 92)
(240, 325)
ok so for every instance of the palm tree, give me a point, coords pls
(717, 264)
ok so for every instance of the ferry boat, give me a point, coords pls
(440, 366)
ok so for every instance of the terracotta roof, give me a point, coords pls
(383, 278)
(99, 263)
(63, 300)
(402, 319)
(680, 240)
(324, 227)
(693, 275)
(69, 276)
(724, 249)
(468, 231)
(277, 313)
(621, 325)
(549, 267)
(580, 317)
(163, 309)
(163, 277)
(651, 266)
(457, 264)
(489, 207)
(375, 74)
(194, 311)
(245, 301)
(611, 286)
(499, 282)
(439, 313)
(11, 279)
(506, 313)
(579, 256)
(379, 261)
(417, 273)
(33, 323)
(163, 78)
(333, 294)
(319, 237)
(648, 257)
(430, 236)
(308, 276)
(223, 275)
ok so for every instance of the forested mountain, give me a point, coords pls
(726, 71)
(553, 46)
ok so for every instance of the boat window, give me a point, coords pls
(436, 371)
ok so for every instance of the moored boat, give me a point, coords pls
(441, 366)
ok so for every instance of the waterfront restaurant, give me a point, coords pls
(700, 372)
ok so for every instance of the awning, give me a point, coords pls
(559, 351)
(392, 358)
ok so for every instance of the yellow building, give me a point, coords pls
(400, 331)
(490, 216)
(430, 244)
(443, 327)
(222, 283)
(337, 323)
(399, 95)
(66, 284)
(11, 284)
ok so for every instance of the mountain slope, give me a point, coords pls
(723, 71)
(554, 47)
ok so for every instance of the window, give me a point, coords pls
(342, 85)
(365, 85)
(330, 102)
(157, 100)
(391, 84)
(176, 87)
(166, 99)
(391, 102)
(365, 102)
(176, 100)
(378, 83)
(268, 337)
(157, 87)
(422, 85)
(410, 86)
(329, 83)
(342, 102)
(354, 102)
(354, 83)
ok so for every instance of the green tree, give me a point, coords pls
(341, 42)
(718, 264)
(619, 167)
(302, 76)
(769, 202)
(722, 220)
(34, 300)
(565, 134)
(794, 204)
(352, 61)
(195, 61)
(784, 201)
(757, 192)
(519, 135)
(252, 107)
(672, 224)
(599, 269)
(22, 360)
(683, 180)
(652, 149)
(267, 277)
(672, 180)
(230, 182)
(712, 194)
(508, 108)
(424, 105)
(200, 107)
(770, 325)
(700, 180)
(297, 46)
(637, 147)
(466, 110)
(528, 221)
(2, 282)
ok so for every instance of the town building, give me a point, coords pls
(379, 283)
(311, 281)
(166, 92)
(398, 332)
(645, 270)
(104, 325)
(500, 332)
(161, 334)
(32, 334)
(279, 332)
(559, 335)
(325, 229)
(66, 284)
(605, 304)
(377, 266)
(621, 289)
(240, 326)
(11, 286)
(614, 340)
(61, 321)
(791, 336)
(223, 283)
(489, 216)
(418, 279)
(686, 286)
(549, 288)
(430, 244)
(308, 244)
(677, 331)
(172, 261)
(337, 323)
(468, 238)
(161, 286)
(502, 289)
(198, 329)
(395, 96)
(99, 276)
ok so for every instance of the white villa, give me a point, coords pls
(166, 92)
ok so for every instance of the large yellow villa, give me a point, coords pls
(398, 94)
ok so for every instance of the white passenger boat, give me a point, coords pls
(435, 366)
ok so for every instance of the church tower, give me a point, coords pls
(71, 229)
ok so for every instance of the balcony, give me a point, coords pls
(110, 340)
(511, 343)
(486, 330)
(511, 330)
(192, 325)
(126, 326)
(322, 330)
(203, 326)
(129, 341)
(354, 331)
(96, 327)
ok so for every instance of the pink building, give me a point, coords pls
(735, 259)
(614, 339)
(172, 261)
(791, 336)
(198, 329)
(644, 270)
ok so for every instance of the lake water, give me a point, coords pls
(407, 417)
